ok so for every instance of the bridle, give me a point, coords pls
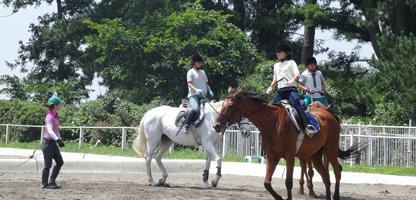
(234, 108)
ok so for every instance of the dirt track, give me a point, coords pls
(182, 186)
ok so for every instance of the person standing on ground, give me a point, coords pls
(312, 82)
(197, 88)
(50, 143)
(286, 74)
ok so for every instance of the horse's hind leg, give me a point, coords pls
(317, 162)
(164, 145)
(302, 162)
(311, 193)
(148, 157)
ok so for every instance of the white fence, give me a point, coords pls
(387, 145)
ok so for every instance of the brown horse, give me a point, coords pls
(279, 137)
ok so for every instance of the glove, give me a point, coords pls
(290, 83)
(310, 91)
(60, 143)
(269, 90)
(211, 93)
(198, 91)
(323, 93)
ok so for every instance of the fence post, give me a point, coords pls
(409, 145)
(42, 133)
(7, 134)
(81, 137)
(123, 139)
(224, 145)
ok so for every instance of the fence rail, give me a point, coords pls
(387, 145)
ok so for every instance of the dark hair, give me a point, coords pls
(50, 107)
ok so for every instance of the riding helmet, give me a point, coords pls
(283, 47)
(310, 60)
(196, 58)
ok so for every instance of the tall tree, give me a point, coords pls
(308, 30)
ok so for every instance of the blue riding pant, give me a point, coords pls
(322, 100)
(290, 93)
(193, 100)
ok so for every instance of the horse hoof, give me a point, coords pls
(312, 195)
(301, 192)
(214, 183)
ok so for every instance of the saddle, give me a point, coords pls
(184, 109)
(292, 113)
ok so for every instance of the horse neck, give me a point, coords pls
(262, 116)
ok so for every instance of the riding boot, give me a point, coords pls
(309, 129)
(55, 173)
(45, 177)
(189, 118)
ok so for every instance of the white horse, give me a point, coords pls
(157, 132)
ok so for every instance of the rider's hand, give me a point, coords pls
(269, 90)
(198, 91)
(290, 83)
(310, 91)
(60, 143)
(211, 93)
(323, 93)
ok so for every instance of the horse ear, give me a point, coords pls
(238, 93)
(329, 106)
(230, 89)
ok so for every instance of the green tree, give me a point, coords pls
(151, 58)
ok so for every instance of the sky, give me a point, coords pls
(15, 27)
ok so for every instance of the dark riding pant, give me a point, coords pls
(51, 151)
(290, 93)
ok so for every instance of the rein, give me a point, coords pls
(237, 107)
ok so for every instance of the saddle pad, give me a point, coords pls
(312, 119)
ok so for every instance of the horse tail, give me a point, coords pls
(139, 143)
(354, 151)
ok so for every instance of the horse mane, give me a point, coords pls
(256, 96)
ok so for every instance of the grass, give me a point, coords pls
(187, 153)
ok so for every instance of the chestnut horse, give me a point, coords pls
(279, 137)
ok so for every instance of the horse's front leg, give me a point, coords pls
(205, 175)
(290, 164)
(211, 150)
(270, 168)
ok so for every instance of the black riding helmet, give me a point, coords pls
(310, 60)
(196, 58)
(284, 48)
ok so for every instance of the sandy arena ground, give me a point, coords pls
(182, 186)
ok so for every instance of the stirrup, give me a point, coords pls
(310, 130)
(187, 126)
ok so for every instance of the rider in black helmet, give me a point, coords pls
(197, 87)
(286, 73)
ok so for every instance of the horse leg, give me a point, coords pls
(270, 168)
(311, 193)
(164, 145)
(290, 164)
(205, 175)
(302, 162)
(333, 159)
(211, 150)
(317, 162)
(148, 157)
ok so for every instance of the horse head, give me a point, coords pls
(228, 114)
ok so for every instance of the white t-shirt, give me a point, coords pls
(307, 79)
(287, 70)
(199, 80)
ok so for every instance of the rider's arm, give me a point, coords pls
(208, 88)
(303, 87)
(191, 85)
(323, 86)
